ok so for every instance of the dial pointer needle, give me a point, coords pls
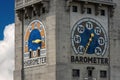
(90, 40)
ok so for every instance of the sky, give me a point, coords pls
(6, 15)
(7, 32)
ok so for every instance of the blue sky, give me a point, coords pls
(7, 32)
(6, 15)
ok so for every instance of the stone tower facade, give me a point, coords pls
(67, 40)
(115, 42)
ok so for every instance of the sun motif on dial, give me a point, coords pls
(34, 40)
(89, 37)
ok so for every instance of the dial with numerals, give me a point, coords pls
(89, 37)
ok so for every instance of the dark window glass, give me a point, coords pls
(75, 72)
(34, 14)
(89, 73)
(89, 11)
(43, 10)
(103, 74)
(38, 52)
(30, 54)
(74, 8)
(102, 12)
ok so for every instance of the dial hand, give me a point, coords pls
(37, 41)
(90, 40)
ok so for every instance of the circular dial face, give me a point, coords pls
(89, 37)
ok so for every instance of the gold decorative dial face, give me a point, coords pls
(34, 40)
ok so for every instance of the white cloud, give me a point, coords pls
(7, 53)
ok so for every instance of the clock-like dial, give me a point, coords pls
(89, 37)
(34, 40)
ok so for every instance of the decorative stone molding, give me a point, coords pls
(111, 10)
(46, 6)
(20, 14)
(97, 9)
(83, 4)
(83, 7)
(28, 12)
(34, 9)
(67, 7)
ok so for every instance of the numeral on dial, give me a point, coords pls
(98, 50)
(35, 25)
(34, 53)
(80, 49)
(101, 41)
(97, 30)
(77, 39)
(89, 25)
(26, 43)
(41, 27)
(81, 28)
(30, 29)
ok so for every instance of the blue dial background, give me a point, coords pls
(35, 34)
(85, 39)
